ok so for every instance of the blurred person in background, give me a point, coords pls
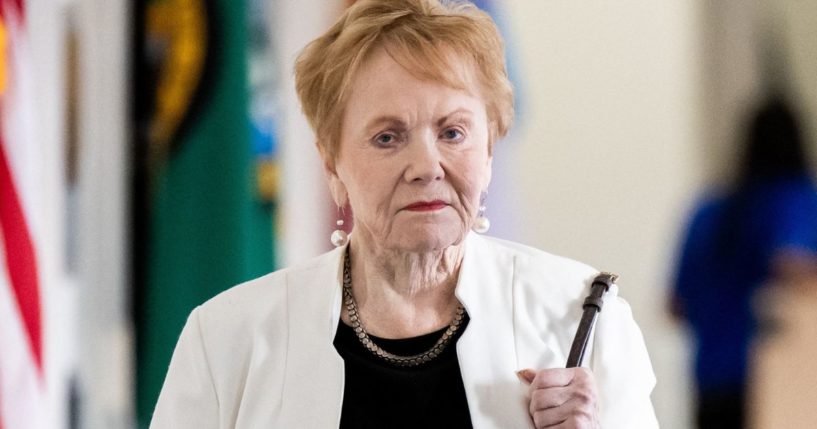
(413, 320)
(761, 231)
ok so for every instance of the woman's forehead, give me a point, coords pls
(402, 99)
(384, 81)
(440, 64)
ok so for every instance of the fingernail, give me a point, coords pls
(526, 375)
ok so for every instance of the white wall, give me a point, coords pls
(105, 330)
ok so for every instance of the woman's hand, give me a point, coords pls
(562, 398)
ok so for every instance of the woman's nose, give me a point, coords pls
(424, 161)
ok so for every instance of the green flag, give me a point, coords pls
(201, 225)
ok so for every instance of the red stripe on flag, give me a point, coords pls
(20, 260)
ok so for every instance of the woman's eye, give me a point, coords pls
(385, 139)
(452, 134)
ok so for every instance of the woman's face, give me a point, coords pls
(413, 158)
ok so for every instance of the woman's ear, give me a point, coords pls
(488, 173)
(336, 186)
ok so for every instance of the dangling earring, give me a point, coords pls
(481, 223)
(339, 237)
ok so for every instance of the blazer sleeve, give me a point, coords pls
(188, 398)
(622, 367)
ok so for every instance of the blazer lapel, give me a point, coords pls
(314, 376)
(486, 350)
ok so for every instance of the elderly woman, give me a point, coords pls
(413, 320)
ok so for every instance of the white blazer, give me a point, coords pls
(260, 355)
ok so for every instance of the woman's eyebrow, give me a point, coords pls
(384, 120)
(458, 113)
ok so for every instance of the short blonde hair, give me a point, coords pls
(423, 36)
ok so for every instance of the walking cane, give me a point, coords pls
(592, 306)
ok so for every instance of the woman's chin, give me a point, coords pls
(430, 239)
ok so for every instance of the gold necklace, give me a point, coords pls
(363, 337)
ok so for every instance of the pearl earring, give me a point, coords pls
(339, 236)
(481, 223)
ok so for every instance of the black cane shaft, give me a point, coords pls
(582, 337)
(592, 306)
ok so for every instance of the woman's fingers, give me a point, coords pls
(563, 397)
(541, 399)
(569, 415)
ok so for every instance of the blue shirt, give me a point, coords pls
(726, 257)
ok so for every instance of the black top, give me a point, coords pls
(378, 394)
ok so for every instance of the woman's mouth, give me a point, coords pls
(426, 206)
